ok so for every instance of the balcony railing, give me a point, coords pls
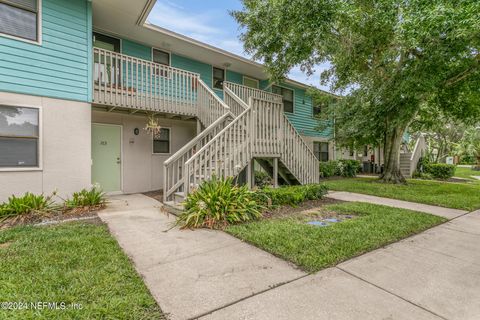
(125, 81)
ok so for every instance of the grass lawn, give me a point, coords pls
(464, 196)
(72, 263)
(314, 248)
(467, 173)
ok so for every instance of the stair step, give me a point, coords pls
(173, 208)
(179, 197)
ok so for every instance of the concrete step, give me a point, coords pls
(178, 197)
(173, 208)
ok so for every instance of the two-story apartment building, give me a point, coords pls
(92, 93)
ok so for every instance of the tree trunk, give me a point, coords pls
(391, 156)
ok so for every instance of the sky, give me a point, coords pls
(209, 21)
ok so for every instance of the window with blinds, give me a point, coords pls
(19, 18)
(161, 141)
(19, 137)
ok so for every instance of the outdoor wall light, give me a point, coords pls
(136, 131)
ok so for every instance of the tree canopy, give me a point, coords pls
(395, 60)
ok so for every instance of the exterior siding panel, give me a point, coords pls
(59, 67)
(302, 116)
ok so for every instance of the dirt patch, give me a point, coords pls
(157, 195)
(5, 244)
(307, 206)
(35, 218)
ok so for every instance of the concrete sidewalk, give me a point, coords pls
(433, 275)
(190, 273)
(435, 210)
(210, 275)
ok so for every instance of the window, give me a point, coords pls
(20, 18)
(161, 57)
(105, 42)
(250, 82)
(19, 137)
(161, 141)
(218, 78)
(106, 71)
(317, 110)
(320, 149)
(365, 151)
(287, 95)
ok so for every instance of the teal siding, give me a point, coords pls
(59, 67)
(302, 116)
(204, 69)
(136, 50)
(234, 77)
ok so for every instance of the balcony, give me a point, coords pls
(126, 82)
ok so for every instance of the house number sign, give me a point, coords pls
(103, 143)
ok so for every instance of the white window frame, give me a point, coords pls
(163, 50)
(224, 77)
(169, 143)
(40, 141)
(39, 28)
(250, 78)
(167, 75)
(293, 97)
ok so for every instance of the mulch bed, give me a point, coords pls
(36, 217)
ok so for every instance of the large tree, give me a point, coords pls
(391, 58)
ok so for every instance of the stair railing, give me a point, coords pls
(418, 151)
(173, 166)
(237, 105)
(210, 106)
(224, 156)
(214, 114)
(296, 154)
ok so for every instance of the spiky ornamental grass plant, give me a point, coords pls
(218, 203)
(86, 198)
(26, 204)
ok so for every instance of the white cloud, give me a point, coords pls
(204, 26)
(176, 18)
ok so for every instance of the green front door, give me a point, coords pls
(106, 156)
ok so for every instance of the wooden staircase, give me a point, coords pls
(409, 160)
(251, 127)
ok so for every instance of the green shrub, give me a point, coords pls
(343, 168)
(86, 198)
(28, 203)
(422, 175)
(440, 170)
(291, 195)
(349, 168)
(218, 203)
(262, 179)
(329, 169)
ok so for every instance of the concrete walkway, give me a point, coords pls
(439, 211)
(433, 275)
(208, 274)
(190, 273)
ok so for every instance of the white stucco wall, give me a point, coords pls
(65, 138)
(143, 170)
